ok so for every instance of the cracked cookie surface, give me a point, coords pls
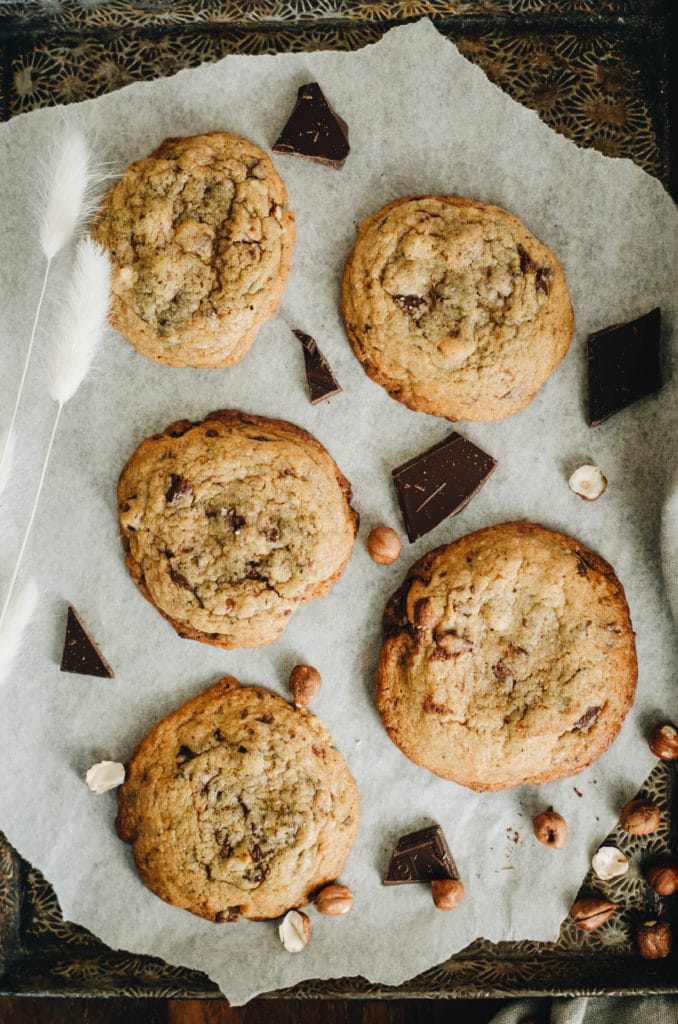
(201, 244)
(238, 804)
(508, 656)
(230, 524)
(455, 307)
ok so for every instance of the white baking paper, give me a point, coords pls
(422, 120)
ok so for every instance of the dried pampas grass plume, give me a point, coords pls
(14, 627)
(81, 325)
(67, 186)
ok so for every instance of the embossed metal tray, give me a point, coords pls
(602, 72)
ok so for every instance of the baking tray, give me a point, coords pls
(602, 72)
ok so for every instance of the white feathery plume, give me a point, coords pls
(82, 323)
(14, 626)
(66, 192)
(7, 449)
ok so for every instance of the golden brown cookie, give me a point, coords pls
(455, 307)
(507, 657)
(230, 524)
(238, 804)
(200, 243)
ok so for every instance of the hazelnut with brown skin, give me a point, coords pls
(305, 682)
(654, 939)
(447, 893)
(334, 900)
(640, 817)
(590, 912)
(663, 876)
(383, 545)
(663, 741)
(550, 828)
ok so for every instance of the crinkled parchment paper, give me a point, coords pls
(422, 119)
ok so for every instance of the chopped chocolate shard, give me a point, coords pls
(178, 488)
(322, 383)
(227, 915)
(422, 856)
(409, 302)
(80, 654)
(623, 365)
(543, 280)
(588, 718)
(527, 264)
(235, 521)
(314, 130)
(440, 482)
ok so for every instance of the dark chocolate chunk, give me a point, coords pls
(527, 264)
(409, 302)
(314, 130)
(422, 856)
(80, 653)
(623, 365)
(178, 488)
(588, 718)
(322, 383)
(440, 482)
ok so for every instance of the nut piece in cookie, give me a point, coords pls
(238, 805)
(231, 524)
(201, 244)
(454, 307)
(507, 657)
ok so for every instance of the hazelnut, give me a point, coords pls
(447, 893)
(588, 482)
(609, 863)
(640, 817)
(663, 876)
(590, 912)
(305, 682)
(383, 545)
(654, 939)
(295, 931)
(105, 775)
(663, 741)
(550, 828)
(334, 900)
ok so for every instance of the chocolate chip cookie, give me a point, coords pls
(238, 804)
(507, 657)
(230, 524)
(455, 307)
(200, 243)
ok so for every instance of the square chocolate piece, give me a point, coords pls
(623, 365)
(440, 482)
(422, 856)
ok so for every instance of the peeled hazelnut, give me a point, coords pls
(654, 939)
(305, 682)
(609, 863)
(663, 741)
(590, 912)
(663, 876)
(550, 828)
(588, 482)
(447, 893)
(640, 817)
(295, 931)
(334, 900)
(383, 545)
(104, 776)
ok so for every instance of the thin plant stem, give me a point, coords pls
(24, 542)
(26, 362)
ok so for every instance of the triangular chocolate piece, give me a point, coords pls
(314, 130)
(322, 383)
(422, 856)
(80, 654)
(440, 482)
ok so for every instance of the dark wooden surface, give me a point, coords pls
(175, 1011)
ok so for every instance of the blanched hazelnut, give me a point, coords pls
(588, 482)
(304, 683)
(105, 775)
(334, 900)
(295, 931)
(447, 893)
(640, 817)
(383, 545)
(654, 939)
(550, 828)
(609, 863)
